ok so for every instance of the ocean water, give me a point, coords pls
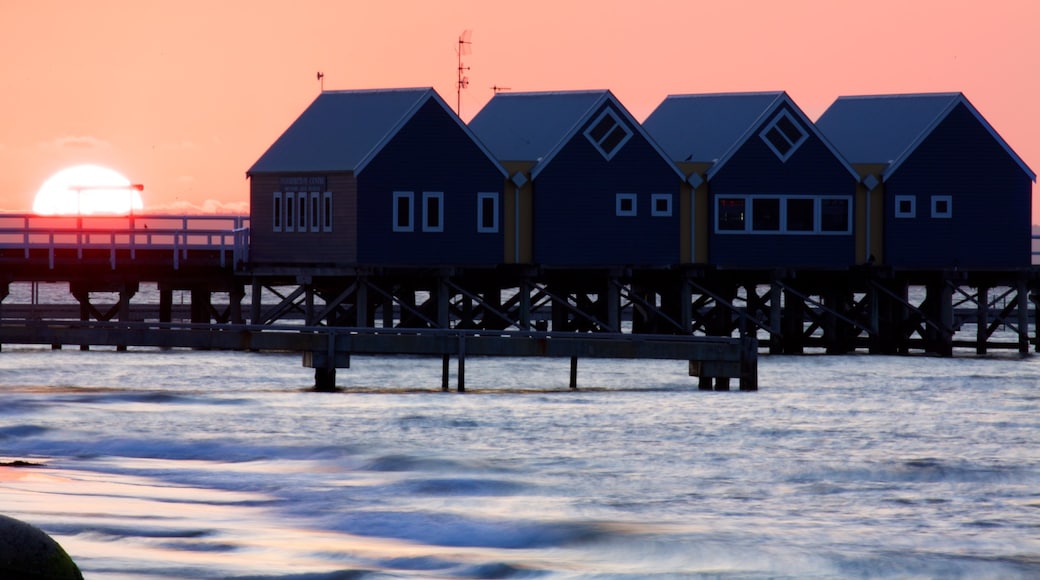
(180, 464)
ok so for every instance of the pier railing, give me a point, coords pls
(228, 235)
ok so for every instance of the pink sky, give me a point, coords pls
(184, 96)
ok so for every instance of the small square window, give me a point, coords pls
(625, 205)
(906, 206)
(942, 206)
(661, 204)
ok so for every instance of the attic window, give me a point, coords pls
(608, 134)
(783, 135)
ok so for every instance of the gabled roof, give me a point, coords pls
(535, 126)
(344, 130)
(888, 128)
(711, 128)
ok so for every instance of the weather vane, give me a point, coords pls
(321, 79)
(463, 82)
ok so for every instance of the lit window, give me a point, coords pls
(625, 205)
(487, 213)
(783, 135)
(403, 211)
(608, 134)
(730, 216)
(433, 211)
(906, 206)
(765, 214)
(661, 204)
(942, 206)
(276, 211)
(290, 215)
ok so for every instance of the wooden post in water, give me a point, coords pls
(445, 364)
(574, 372)
(981, 319)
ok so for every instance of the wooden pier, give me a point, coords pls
(714, 318)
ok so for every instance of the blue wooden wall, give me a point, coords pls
(813, 169)
(575, 203)
(431, 153)
(991, 209)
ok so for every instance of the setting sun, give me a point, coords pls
(88, 190)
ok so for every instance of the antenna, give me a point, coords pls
(464, 48)
(499, 89)
(321, 79)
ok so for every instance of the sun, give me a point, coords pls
(88, 190)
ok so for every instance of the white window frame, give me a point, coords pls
(409, 226)
(315, 211)
(656, 197)
(621, 197)
(289, 218)
(948, 214)
(783, 114)
(749, 215)
(426, 197)
(302, 211)
(481, 228)
(326, 212)
(598, 143)
(277, 212)
(899, 199)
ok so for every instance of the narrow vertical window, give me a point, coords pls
(315, 211)
(403, 211)
(326, 212)
(433, 211)
(276, 211)
(301, 210)
(625, 205)
(487, 213)
(290, 205)
(661, 204)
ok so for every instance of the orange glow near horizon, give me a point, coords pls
(185, 97)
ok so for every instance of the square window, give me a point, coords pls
(801, 212)
(906, 206)
(835, 215)
(487, 213)
(661, 204)
(625, 205)
(403, 211)
(942, 206)
(608, 134)
(731, 215)
(765, 214)
(433, 211)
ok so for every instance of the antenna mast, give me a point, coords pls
(463, 82)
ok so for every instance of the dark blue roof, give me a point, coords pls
(710, 128)
(528, 126)
(343, 130)
(534, 126)
(887, 128)
(703, 128)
